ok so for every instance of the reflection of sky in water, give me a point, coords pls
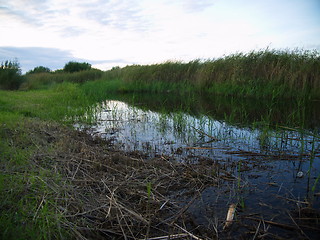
(135, 129)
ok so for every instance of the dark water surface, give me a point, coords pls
(270, 147)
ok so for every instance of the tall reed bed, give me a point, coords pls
(257, 73)
(44, 80)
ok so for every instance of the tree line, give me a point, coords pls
(11, 76)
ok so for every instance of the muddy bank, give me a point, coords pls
(104, 193)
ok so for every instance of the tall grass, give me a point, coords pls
(45, 80)
(258, 73)
(264, 73)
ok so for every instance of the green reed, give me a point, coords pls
(281, 73)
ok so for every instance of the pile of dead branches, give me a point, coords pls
(109, 194)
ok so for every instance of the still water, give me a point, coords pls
(272, 146)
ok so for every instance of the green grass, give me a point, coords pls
(28, 192)
(63, 103)
(26, 201)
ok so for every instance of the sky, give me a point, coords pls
(108, 33)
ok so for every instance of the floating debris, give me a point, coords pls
(300, 174)
(230, 215)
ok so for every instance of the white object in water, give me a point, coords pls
(300, 174)
(230, 215)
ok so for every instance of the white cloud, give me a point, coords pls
(122, 15)
(194, 6)
(153, 31)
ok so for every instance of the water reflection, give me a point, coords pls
(181, 133)
(244, 111)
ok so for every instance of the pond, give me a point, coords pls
(270, 148)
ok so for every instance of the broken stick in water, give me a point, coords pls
(230, 215)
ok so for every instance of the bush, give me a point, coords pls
(76, 67)
(10, 75)
(39, 69)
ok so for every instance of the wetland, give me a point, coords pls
(226, 148)
(263, 156)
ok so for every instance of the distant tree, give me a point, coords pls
(115, 68)
(76, 67)
(59, 71)
(10, 75)
(39, 69)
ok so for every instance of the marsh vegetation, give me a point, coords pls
(165, 150)
(265, 73)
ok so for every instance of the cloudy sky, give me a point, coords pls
(109, 33)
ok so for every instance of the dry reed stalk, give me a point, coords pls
(187, 232)
(298, 227)
(284, 226)
(203, 133)
(173, 236)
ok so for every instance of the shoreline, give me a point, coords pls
(94, 191)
